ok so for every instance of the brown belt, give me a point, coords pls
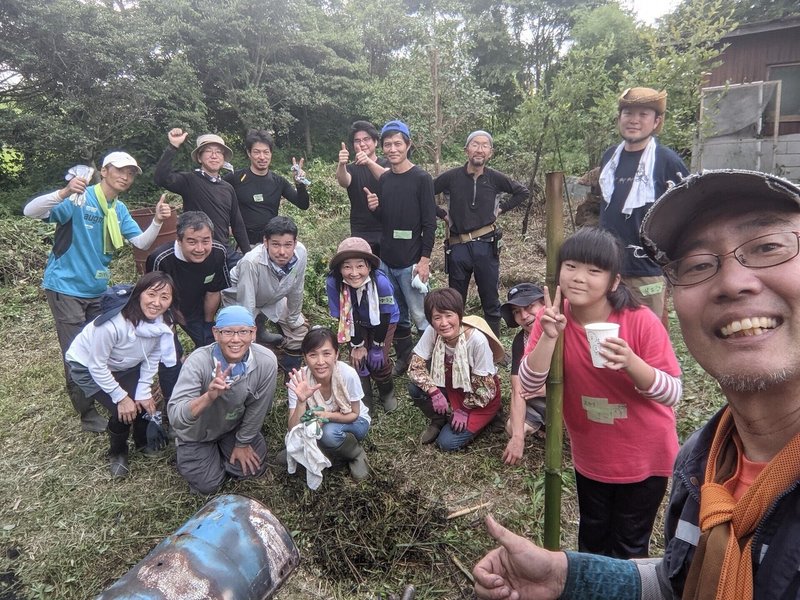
(461, 238)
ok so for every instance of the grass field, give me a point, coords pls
(67, 530)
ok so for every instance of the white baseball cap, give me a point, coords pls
(120, 160)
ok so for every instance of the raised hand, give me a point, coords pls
(298, 383)
(552, 320)
(163, 210)
(372, 199)
(219, 384)
(177, 136)
(344, 155)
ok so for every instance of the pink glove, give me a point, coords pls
(439, 401)
(459, 420)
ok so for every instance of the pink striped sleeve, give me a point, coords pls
(665, 390)
(530, 380)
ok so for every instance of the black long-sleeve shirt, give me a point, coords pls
(215, 198)
(407, 212)
(472, 202)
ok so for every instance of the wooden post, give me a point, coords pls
(554, 442)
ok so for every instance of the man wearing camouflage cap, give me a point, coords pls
(635, 173)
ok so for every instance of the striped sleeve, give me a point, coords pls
(665, 390)
(530, 380)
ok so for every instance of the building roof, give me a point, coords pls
(790, 22)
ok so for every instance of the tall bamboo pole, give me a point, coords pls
(554, 442)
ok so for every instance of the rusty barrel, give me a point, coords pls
(233, 548)
(143, 218)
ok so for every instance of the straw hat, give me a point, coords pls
(211, 138)
(354, 247)
(648, 98)
(479, 323)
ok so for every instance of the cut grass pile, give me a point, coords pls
(67, 530)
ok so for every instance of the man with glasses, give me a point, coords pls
(633, 174)
(204, 189)
(219, 404)
(728, 243)
(473, 204)
(260, 190)
(360, 175)
(269, 282)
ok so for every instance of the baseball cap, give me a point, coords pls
(521, 294)
(120, 160)
(395, 127)
(682, 204)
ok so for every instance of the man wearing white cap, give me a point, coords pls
(204, 189)
(728, 243)
(473, 205)
(91, 225)
(635, 173)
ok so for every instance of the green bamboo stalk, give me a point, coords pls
(554, 442)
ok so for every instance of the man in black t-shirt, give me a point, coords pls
(362, 173)
(259, 190)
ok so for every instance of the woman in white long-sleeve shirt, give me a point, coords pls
(116, 356)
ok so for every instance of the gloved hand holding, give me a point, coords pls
(375, 358)
(459, 420)
(439, 401)
(156, 438)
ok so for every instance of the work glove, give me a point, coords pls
(458, 421)
(156, 437)
(439, 401)
(375, 358)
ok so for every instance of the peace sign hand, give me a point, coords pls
(552, 320)
(219, 384)
(297, 169)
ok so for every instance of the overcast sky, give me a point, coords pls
(649, 10)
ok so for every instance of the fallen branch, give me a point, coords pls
(462, 568)
(466, 511)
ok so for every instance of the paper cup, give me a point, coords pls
(596, 333)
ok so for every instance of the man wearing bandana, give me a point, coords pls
(91, 225)
(269, 282)
(219, 404)
(635, 173)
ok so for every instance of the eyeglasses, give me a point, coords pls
(365, 140)
(759, 253)
(213, 152)
(227, 334)
(477, 146)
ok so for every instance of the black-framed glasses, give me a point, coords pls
(759, 253)
(228, 334)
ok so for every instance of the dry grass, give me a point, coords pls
(67, 530)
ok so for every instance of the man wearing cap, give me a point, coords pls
(260, 190)
(363, 173)
(269, 282)
(527, 411)
(219, 404)
(204, 189)
(91, 224)
(633, 175)
(405, 206)
(473, 205)
(728, 243)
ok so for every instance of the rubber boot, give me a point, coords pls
(140, 438)
(263, 335)
(436, 421)
(289, 360)
(118, 452)
(403, 347)
(386, 394)
(494, 324)
(91, 420)
(366, 385)
(352, 451)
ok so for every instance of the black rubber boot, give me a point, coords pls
(140, 438)
(118, 451)
(263, 335)
(289, 360)
(91, 420)
(436, 421)
(366, 385)
(386, 395)
(403, 347)
(355, 456)
(494, 324)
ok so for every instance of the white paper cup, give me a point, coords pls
(596, 333)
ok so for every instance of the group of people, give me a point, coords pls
(731, 515)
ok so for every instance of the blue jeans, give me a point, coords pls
(409, 301)
(450, 440)
(333, 434)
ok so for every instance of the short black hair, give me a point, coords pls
(194, 220)
(280, 225)
(255, 136)
(367, 128)
(132, 311)
(316, 338)
(442, 300)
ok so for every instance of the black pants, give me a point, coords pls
(477, 258)
(128, 380)
(617, 518)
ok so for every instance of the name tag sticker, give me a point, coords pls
(258, 197)
(386, 300)
(600, 411)
(209, 278)
(652, 289)
(402, 234)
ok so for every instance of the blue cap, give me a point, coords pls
(395, 127)
(234, 315)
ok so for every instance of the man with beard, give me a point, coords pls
(633, 174)
(728, 243)
(473, 205)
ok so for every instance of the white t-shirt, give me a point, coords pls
(479, 353)
(354, 390)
